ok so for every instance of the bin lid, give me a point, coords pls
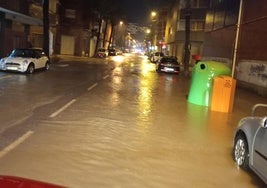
(212, 68)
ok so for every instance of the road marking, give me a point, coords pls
(105, 77)
(63, 65)
(3, 77)
(62, 109)
(94, 85)
(14, 144)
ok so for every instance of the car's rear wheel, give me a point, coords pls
(241, 153)
(158, 68)
(47, 66)
(30, 69)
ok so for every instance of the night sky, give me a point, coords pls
(138, 11)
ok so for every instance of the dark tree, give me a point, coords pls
(107, 10)
(187, 37)
(46, 26)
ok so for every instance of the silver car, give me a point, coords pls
(156, 57)
(250, 143)
(25, 60)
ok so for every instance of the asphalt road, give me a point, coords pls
(116, 123)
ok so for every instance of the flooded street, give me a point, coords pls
(133, 128)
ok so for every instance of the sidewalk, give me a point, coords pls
(59, 58)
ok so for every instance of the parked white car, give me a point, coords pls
(156, 57)
(25, 60)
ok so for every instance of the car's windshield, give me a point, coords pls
(159, 54)
(22, 53)
(169, 60)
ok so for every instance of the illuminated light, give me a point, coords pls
(153, 13)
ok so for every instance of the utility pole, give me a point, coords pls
(237, 37)
(46, 26)
(187, 37)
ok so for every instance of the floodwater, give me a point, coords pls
(135, 129)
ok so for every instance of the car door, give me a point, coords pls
(41, 59)
(259, 157)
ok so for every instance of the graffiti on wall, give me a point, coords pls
(257, 69)
(254, 72)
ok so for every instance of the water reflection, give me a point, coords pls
(116, 85)
(197, 118)
(146, 90)
(204, 124)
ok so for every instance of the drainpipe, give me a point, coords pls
(237, 37)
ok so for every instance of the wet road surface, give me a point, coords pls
(133, 128)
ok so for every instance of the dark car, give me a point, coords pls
(168, 64)
(112, 52)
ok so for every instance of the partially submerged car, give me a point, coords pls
(112, 52)
(102, 53)
(168, 64)
(250, 150)
(25, 60)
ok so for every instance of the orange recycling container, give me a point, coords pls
(223, 91)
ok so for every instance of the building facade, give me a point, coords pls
(176, 31)
(15, 24)
(22, 24)
(250, 68)
(78, 29)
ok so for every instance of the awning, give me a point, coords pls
(22, 18)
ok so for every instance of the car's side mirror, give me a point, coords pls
(264, 122)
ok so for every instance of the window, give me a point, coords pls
(70, 13)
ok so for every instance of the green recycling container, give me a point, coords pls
(201, 83)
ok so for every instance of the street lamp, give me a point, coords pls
(153, 13)
(120, 33)
(153, 28)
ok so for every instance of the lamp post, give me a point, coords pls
(153, 28)
(118, 35)
(148, 42)
(121, 38)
